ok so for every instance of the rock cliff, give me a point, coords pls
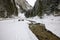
(42, 7)
(23, 4)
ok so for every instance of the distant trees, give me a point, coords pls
(38, 8)
(8, 8)
(44, 6)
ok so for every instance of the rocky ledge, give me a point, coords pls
(42, 33)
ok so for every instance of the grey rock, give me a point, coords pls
(23, 4)
(42, 7)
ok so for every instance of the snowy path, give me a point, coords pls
(14, 30)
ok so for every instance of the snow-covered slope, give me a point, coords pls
(51, 22)
(13, 29)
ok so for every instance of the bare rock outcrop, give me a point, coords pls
(23, 4)
(42, 33)
(42, 7)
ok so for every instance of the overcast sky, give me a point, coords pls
(31, 2)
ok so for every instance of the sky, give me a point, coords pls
(31, 2)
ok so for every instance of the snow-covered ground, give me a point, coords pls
(13, 29)
(51, 22)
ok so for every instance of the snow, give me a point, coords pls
(22, 16)
(31, 2)
(15, 30)
(51, 22)
(12, 29)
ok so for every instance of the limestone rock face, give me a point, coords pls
(45, 6)
(42, 33)
(8, 8)
(23, 4)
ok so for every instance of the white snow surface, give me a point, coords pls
(13, 29)
(51, 22)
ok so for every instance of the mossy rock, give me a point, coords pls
(42, 33)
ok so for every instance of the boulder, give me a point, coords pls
(42, 33)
